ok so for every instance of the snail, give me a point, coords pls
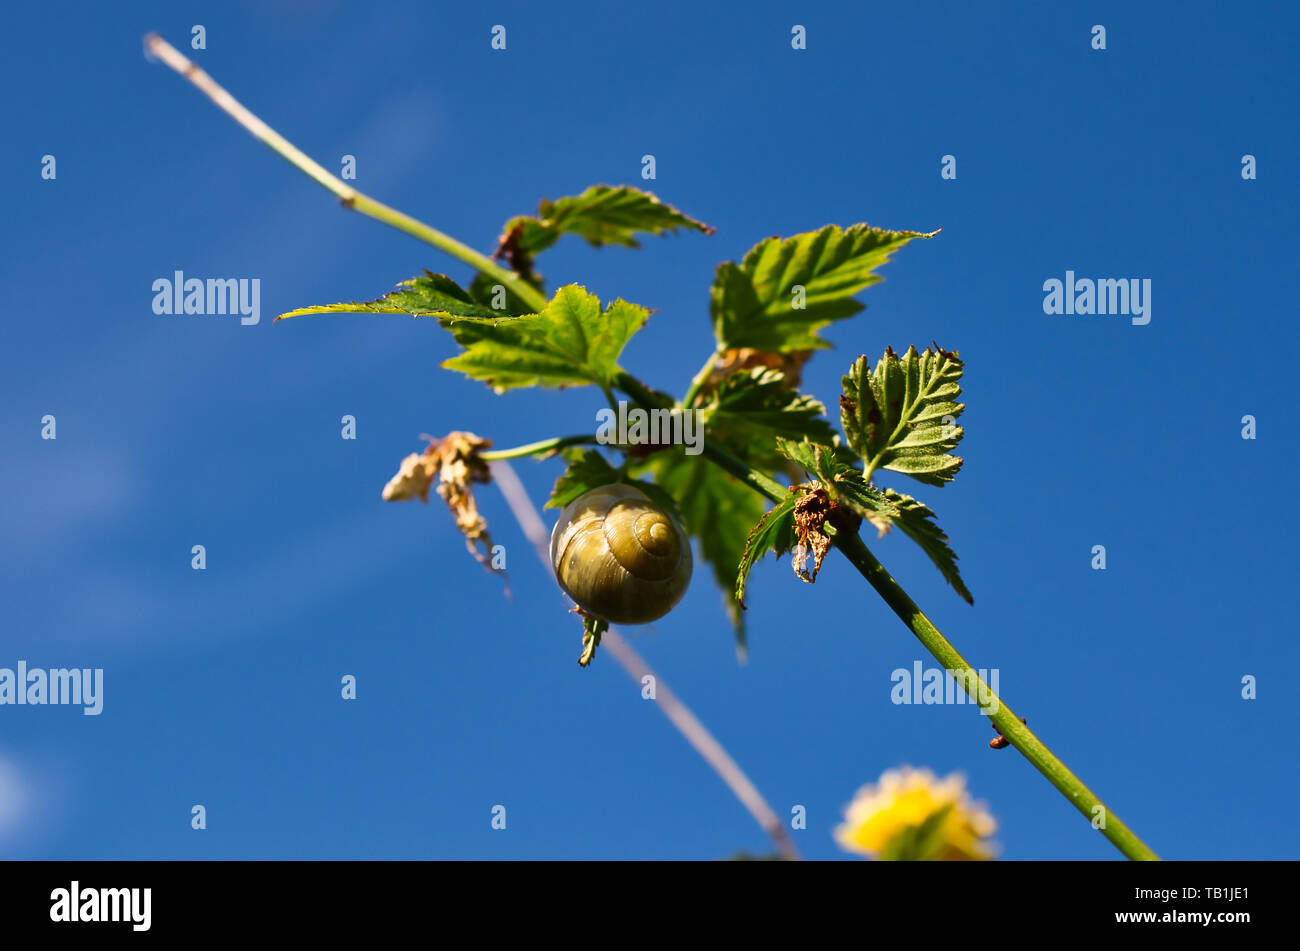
(620, 556)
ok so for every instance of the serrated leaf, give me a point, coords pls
(902, 415)
(883, 509)
(866, 500)
(483, 290)
(588, 469)
(917, 522)
(806, 455)
(774, 532)
(753, 304)
(570, 343)
(845, 482)
(593, 629)
(602, 214)
(716, 508)
(757, 404)
(818, 460)
(431, 295)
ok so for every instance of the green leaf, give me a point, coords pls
(570, 343)
(483, 290)
(774, 532)
(757, 404)
(816, 460)
(865, 499)
(830, 464)
(588, 470)
(603, 215)
(844, 482)
(883, 509)
(716, 508)
(593, 629)
(430, 295)
(902, 415)
(753, 304)
(917, 523)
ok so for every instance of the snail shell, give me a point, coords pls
(621, 556)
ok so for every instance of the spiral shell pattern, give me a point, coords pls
(621, 556)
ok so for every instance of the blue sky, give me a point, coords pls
(222, 686)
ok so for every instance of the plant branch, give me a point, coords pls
(700, 379)
(641, 393)
(156, 46)
(1003, 717)
(852, 546)
(545, 447)
(1008, 724)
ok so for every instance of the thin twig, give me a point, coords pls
(159, 48)
(677, 712)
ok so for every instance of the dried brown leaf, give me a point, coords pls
(454, 462)
(810, 515)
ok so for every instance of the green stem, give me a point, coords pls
(526, 292)
(609, 397)
(349, 196)
(762, 484)
(538, 448)
(1008, 724)
(701, 378)
(641, 393)
(1003, 717)
(869, 466)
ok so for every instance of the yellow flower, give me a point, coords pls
(910, 814)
